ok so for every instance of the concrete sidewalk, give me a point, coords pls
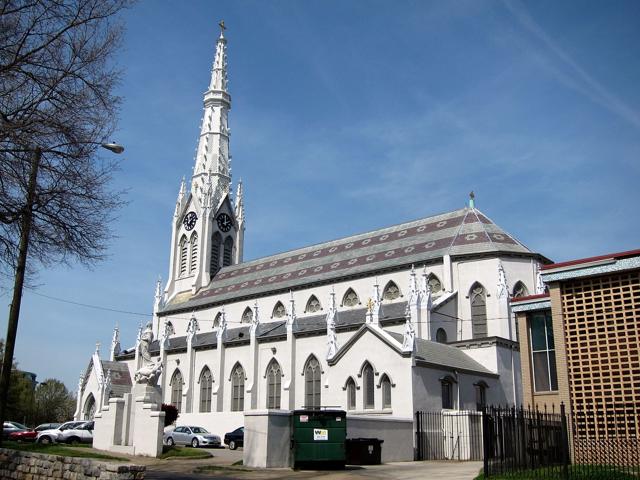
(221, 462)
(184, 469)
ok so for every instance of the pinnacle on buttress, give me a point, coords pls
(239, 206)
(183, 190)
(158, 293)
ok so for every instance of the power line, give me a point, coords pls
(88, 305)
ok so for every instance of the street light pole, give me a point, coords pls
(14, 311)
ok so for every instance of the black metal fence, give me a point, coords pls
(449, 435)
(517, 439)
(599, 443)
(523, 443)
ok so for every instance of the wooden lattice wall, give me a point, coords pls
(602, 334)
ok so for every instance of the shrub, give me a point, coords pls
(170, 414)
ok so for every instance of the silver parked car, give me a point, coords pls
(80, 434)
(191, 435)
(48, 436)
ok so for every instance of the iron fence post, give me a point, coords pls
(485, 442)
(564, 442)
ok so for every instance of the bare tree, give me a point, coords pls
(57, 79)
(57, 105)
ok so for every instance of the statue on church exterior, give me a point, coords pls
(149, 370)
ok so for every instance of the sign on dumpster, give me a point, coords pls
(320, 434)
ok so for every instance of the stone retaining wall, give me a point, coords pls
(17, 465)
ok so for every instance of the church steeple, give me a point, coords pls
(212, 163)
(208, 228)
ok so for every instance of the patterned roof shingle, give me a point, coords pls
(461, 232)
(120, 377)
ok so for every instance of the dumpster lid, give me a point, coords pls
(312, 410)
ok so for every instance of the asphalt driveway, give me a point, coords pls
(183, 469)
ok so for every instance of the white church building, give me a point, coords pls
(382, 324)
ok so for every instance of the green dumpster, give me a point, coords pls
(318, 438)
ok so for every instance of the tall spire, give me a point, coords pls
(212, 162)
(219, 73)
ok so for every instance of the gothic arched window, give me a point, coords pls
(434, 284)
(176, 390)
(237, 389)
(89, 407)
(350, 298)
(214, 262)
(313, 305)
(312, 382)
(391, 291)
(447, 392)
(481, 395)
(441, 335)
(520, 290)
(274, 379)
(227, 256)
(478, 300)
(206, 381)
(216, 321)
(385, 383)
(193, 264)
(247, 315)
(368, 383)
(351, 394)
(184, 252)
(279, 311)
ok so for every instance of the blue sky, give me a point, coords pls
(349, 116)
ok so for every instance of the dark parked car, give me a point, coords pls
(234, 439)
(31, 434)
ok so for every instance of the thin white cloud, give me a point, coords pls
(586, 84)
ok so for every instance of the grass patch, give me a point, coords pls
(63, 450)
(183, 452)
(592, 472)
(239, 462)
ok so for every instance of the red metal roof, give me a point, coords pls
(530, 297)
(614, 256)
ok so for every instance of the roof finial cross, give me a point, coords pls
(370, 305)
(472, 197)
(222, 27)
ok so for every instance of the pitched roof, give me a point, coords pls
(309, 325)
(461, 232)
(441, 354)
(120, 377)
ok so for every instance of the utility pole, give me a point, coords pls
(14, 311)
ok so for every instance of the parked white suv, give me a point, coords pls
(48, 436)
(80, 434)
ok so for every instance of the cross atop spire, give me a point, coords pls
(219, 74)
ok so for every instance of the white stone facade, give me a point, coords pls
(423, 306)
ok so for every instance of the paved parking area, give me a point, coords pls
(183, 469)
(221, 467)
